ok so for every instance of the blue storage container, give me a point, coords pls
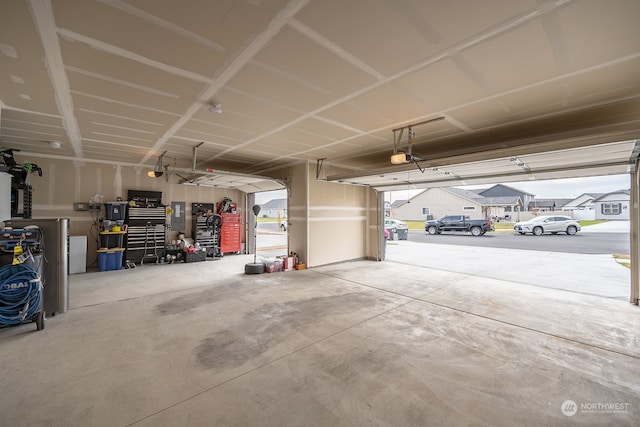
(103, 259)
(110, 259)
(117, 259)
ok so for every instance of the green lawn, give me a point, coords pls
(415, 225)
(263, 219)
(586, 222)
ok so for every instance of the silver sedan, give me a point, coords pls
(553, 224)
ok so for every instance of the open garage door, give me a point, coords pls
(594, 160)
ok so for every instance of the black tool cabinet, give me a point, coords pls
(146, 234)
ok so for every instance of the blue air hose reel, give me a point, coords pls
(20, 295)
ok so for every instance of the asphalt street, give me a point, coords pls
(581, 243)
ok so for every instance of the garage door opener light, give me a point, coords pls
(158, 169)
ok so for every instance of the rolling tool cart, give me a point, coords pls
(150, 243)
(21, 290)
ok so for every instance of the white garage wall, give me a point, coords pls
(337, 221)
(65, 182)
(329, 222)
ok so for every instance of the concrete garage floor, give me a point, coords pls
(357, 343)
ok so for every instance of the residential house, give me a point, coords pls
(391, 211)
(503, 207)
(582, 207)
(613, 206)
(434, 203)
(274, 208)
(501, 190)
(546, 205)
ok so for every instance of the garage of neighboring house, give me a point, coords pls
(582, 207)
(181, 111)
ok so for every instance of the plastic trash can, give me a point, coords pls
(403, 233)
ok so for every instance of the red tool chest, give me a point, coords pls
(230, 233)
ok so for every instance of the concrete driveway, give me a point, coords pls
(599, 275)
(608, 227)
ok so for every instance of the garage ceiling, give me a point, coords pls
(301, 80)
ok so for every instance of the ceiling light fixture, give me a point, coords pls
(54, 144)
(398, 159)
(215, 108)
(158, 169)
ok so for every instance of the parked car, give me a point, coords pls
(393, 225)
(553, 224)
(458, 224)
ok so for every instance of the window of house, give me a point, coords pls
(611, 208)
(426, 211)
(469, 208)
(507, 208)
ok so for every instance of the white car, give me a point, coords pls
(393, 225)
(553, 224)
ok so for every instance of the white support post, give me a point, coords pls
(634, 241)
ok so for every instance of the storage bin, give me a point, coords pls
(112, 239)
(195, 256)
(110, 259)
(115, 210)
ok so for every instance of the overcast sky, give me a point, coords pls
(569, 188)
(264, 197)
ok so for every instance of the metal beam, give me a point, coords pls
(634, 293)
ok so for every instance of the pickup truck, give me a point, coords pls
(458, 223)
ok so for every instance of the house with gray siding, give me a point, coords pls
(501, 190)
(613, 206)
